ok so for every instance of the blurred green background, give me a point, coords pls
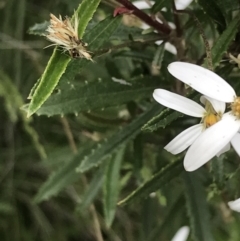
(33, 149)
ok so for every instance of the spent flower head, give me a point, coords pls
(64, 33)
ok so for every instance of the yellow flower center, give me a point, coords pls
(211, 117)
(235, 106)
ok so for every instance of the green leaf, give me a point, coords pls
(159, 4)
(223, 42)
(138, 148)
(126, 33)
(112, 186)
(148, 216)
(97, 95)
(85, 12)
(158, 58)
(58, 62)
(64, 176)
(217, 170)
(13, 102)
(12, 98)
(39, 28)
(55, 68)
(173, 212)
(143, 55)
(197, 207)
(161, 120)
(6, 208)
(161, 178)
(213, 11)
(108, 146)
(228, 5)
(166, 116)
(93, 189)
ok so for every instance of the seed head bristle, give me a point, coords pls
(63, 33)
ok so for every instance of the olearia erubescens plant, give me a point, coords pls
(130, 128)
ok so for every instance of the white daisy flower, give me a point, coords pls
(235, 205)
(209, 115)
(214, 139)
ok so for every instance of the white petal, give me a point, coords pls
(218, 106)
(235, 205)
(210, 142)
(142, 4)
(178, 103)
(145, 26)
(184, 139)
(225, 149)
(203, 80)
(236, 143)
(170, 48)
(181, 234)
(182, 4)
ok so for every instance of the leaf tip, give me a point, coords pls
(30, 113)
(121, 203)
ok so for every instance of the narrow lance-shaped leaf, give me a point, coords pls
(85, 12)
(58, 62)
(218, 172)
(161, 120)
(223, 42)
(108, 146)
(172, 213)
(197, 207)
(39, 28)
(166, 116)
(159, 4)
(213, 10)
(13, 102)
(97, 95)
(138, 147)
(229, 5)
(111, 186)
(158, 58)
(93, 189)
(161, 178)
(64, 176)
(55, 68)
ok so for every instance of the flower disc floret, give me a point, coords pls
(210, 120)
(235, 106)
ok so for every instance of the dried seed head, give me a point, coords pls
(63, 33)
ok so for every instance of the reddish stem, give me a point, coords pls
(145, 18)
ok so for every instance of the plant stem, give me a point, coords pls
(161, 28)
(96, 223)
(201, 31)
(127, 44)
